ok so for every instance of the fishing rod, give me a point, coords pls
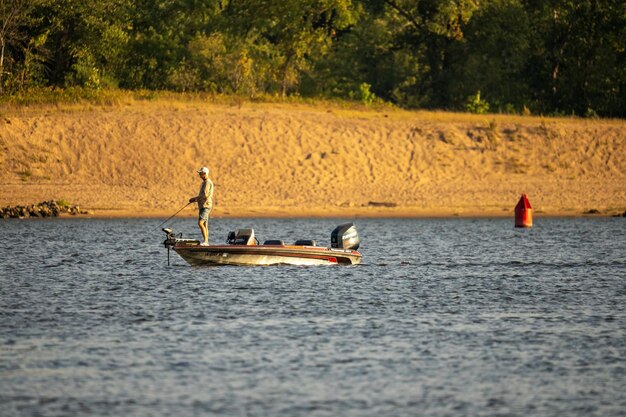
(166, 220)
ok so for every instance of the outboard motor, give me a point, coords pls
(345, 236)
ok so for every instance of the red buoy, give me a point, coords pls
(523, 213)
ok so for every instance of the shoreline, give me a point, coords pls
(326, 213)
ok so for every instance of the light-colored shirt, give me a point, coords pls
(205, 196)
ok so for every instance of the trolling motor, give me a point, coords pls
(170, 240)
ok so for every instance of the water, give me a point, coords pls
(443, 318)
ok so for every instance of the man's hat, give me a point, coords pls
(203, 169)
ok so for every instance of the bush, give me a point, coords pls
(63, 203)
(364, 94)
(591, 114)
(476, 105)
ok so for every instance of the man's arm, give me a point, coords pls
(194, 199)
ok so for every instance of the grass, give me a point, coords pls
(493, 134)
(25, 175)
(75, 95)
(63, 203)
(78, 98)
(82, 98)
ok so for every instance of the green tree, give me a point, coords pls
(493, 55)
(16, 19)
(404, 49)
(293, 33)
(370, 53)
(557, 56)
(158, 52)
(578, 57)
(429, 29)
(87, 40)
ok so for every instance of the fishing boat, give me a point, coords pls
(243, 248)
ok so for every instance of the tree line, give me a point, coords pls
(515, 56)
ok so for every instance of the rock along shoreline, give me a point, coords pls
(44, 209)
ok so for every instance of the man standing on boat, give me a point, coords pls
(205, 204)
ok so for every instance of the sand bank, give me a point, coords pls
(278, 160)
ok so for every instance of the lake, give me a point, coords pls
(444, 317)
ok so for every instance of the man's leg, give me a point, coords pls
(203, 222)
(204, 229)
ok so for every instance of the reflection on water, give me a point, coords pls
(444, 317)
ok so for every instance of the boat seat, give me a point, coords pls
(306, 242)
(245, 237)
(274, 242)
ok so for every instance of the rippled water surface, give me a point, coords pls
(443, 318)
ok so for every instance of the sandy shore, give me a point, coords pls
(279, 160)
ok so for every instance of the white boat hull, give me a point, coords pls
(265, 255)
